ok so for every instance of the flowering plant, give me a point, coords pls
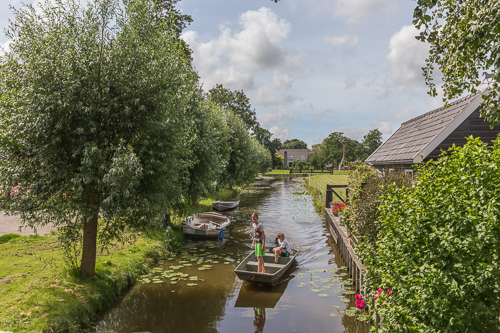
(360, 302)
(340, 208)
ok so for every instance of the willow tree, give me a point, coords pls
(92, 115)
(464, 44)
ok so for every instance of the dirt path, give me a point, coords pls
(9, 224)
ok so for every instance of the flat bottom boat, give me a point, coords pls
(247, 269)
(222, 205)
(205, 225)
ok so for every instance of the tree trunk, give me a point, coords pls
(166, 221)
(89, 251)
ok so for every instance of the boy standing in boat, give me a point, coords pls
(259, 242)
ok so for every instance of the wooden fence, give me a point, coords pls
(344, 243)
(309, 171)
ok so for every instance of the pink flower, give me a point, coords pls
(358, 296)
(379, 292)
(349, 236)
(375, 298)
(360, 304)
(389, 291)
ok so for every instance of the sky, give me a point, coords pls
(309, 67)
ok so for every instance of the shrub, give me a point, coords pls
(439, 246)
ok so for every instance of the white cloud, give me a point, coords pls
(357, 10)
(401, 115)
(324, 113)
(237, 57)
(347, 43)
(267, 119)
(280, 133)
(354, 132)
(386, 122)
(5, 47)
(407, 56)
(268, 95)
(350, 82)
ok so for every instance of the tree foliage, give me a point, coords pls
(93, 109)
(294, 144)
(237, 102)
(330, 151)
(439, 246)
(463, 37)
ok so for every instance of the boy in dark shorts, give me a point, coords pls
(259, 242)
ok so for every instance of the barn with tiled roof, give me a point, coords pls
(424, 137)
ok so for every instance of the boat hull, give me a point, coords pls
(225, 205)
(205, 225)
(247, 269)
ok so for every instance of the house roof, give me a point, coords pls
(416, 138)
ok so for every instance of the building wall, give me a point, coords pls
(291, 155)
(474, 125)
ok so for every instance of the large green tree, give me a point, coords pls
(294, 144)
(237, 102)
(93, 109)
(371, 142)
(463, 37)
(207, 148)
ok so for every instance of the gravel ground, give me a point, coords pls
(9, 224)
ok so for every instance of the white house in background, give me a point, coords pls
(292, 155)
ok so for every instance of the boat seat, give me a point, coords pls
(254, 263)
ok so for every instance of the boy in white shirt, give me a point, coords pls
(283, 250)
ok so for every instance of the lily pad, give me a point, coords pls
(315, 290)
(192, 284)
(337, 306)
(324, 295)
(333, 314)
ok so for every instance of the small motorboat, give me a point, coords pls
(247, 269)
(205, 225)
(259, 178)
(222, 205)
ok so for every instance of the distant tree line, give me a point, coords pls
(330, 151)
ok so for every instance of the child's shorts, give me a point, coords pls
(285, 254)
(258, 250)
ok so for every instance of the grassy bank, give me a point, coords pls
(40, 293)
(317, 187)
(287, 172)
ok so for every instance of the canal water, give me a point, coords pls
(197, 290)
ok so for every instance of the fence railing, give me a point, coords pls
(311, 171)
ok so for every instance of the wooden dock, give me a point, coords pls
(339, 234)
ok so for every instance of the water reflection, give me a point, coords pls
(253, 295)
(260, 319)
(219, 302)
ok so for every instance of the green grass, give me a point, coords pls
(40, 293)
(319, 182)
(278, 172)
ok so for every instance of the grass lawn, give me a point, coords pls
(319, 182)
(278, 172)
(40, 293)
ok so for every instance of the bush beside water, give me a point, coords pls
(437, 247)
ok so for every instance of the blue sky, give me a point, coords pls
(310, 67)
